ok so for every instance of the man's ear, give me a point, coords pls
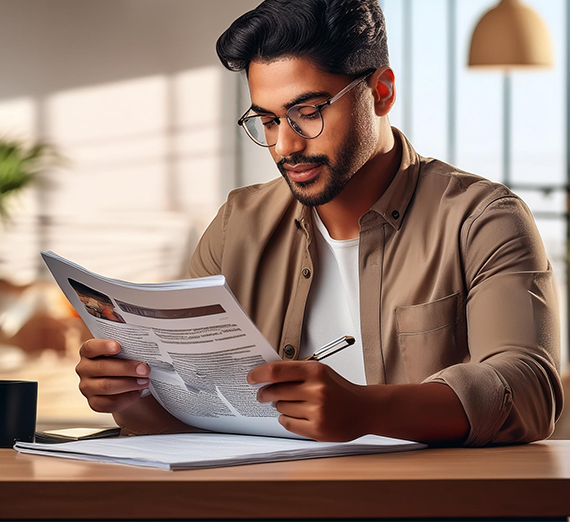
(383, 85)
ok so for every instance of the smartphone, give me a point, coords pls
(74, 434)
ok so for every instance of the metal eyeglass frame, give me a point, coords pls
(292, 124)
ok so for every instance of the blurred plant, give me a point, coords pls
(20, 166)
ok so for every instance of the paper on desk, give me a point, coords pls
(210, 450)
(194, 335)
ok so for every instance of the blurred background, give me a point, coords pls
(144, 147)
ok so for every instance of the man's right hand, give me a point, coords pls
(110, 384)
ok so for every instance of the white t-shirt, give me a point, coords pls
(333, 308)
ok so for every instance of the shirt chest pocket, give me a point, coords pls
(432, 336)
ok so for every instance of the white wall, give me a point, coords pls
(132, 92)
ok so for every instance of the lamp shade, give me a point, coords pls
(511, 35)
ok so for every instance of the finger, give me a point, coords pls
(299, 426)
(111, 367)
(113, 403)
(293, 409)
(280, 372)
(111, 386)
(99, 347)
(283, 391)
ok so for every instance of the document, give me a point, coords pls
(193, 334)
(210, 450)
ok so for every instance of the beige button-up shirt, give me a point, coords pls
(455, 288)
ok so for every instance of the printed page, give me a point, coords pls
(194, 335)
(208, 450)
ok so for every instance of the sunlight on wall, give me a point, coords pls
(199, 128)
(119, 110)
(115, 136)
(18, 118)
(142, 180)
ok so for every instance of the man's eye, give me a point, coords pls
(310, 116)
(268, 122)
(308, 113)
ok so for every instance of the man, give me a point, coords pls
(440, 275)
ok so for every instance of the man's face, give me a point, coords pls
(316, 169)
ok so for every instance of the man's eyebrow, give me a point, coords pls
(295, 101)
(259, 110)
(306, 97)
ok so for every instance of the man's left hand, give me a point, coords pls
(314, 400)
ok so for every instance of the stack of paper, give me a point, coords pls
(210, 450)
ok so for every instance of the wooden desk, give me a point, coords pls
(519, 481)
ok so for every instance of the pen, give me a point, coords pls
(331, 348)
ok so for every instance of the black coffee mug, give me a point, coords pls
(18, 405)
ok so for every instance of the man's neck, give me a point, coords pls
(341, 215)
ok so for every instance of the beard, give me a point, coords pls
(354, 152)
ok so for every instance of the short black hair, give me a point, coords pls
(345, 37)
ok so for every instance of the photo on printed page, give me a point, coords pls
(97, 304)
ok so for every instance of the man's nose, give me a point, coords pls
(288, 141)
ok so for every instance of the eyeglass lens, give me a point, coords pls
(305, 120)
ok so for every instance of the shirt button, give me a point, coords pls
(306, 273)
(395, 214)
(289, 351)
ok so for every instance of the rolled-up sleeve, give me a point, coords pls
(510, 389)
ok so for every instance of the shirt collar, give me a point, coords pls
(393, 204)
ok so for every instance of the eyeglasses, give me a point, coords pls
(305, 119)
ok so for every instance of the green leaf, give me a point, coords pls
(20, 166)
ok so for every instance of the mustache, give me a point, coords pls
(297, 159)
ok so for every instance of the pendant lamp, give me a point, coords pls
(509, 36)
